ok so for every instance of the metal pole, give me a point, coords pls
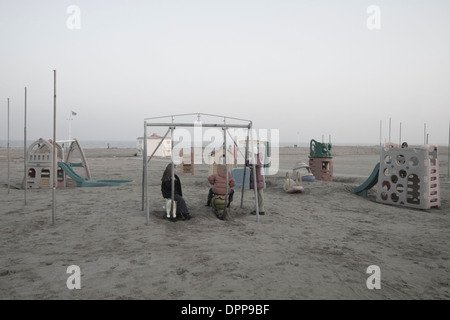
(145, 178)
(9, 158)
(235, 143)
(25, 158)
(381, 125)
(70, 125)
(255, 183)
(226, 168)
(172, 187)
(448, 152)
(144, 166)
(390, 130)
(245, 168)
(156, 149)
(424, 133)
(400, 135)
(54, 150)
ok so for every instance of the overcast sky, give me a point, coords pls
(305, 67)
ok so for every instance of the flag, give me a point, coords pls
(74, 113)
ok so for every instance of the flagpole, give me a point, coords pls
(72, 113)
(70, 125)
(9, 158)
(424, 133)
(448, 152)
(55, 156)
(381, 125)
(25, 183)
(390, 130)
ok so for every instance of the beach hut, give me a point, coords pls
(164, 149)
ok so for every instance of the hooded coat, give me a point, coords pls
(166, 188)
(219, 182)
(259, 176)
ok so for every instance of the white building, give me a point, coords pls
(152, 143)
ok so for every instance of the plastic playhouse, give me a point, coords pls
(39, 165)
(40, 173)
(320, 160)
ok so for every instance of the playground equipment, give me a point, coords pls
(39, 164)
(218, 203)
(369, 183)
(238, 175)
(320, 160)
(406, 177)
(263, 148)
(291, 186)
(85, 182)
(409, 177)
(225, 124)
(305, 172)
(187, 162)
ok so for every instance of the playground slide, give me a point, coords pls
(369, 183)
(85, 182)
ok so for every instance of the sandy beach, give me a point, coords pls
(307, 246)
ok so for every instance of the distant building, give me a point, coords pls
(152, 143)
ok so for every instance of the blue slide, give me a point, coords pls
(85, 182)
(369, 183)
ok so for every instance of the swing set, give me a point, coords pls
(171, 125)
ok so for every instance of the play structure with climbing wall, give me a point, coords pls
(320, 160)
(409, 176)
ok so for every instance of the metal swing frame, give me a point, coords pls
(172, 125)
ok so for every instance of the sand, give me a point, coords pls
(307, 246)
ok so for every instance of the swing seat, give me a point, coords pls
(218, 205)
(291, 186)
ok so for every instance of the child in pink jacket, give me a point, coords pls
(219, 185)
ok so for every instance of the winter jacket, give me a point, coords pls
(219, 182)
(259, 176)
(166, 188)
